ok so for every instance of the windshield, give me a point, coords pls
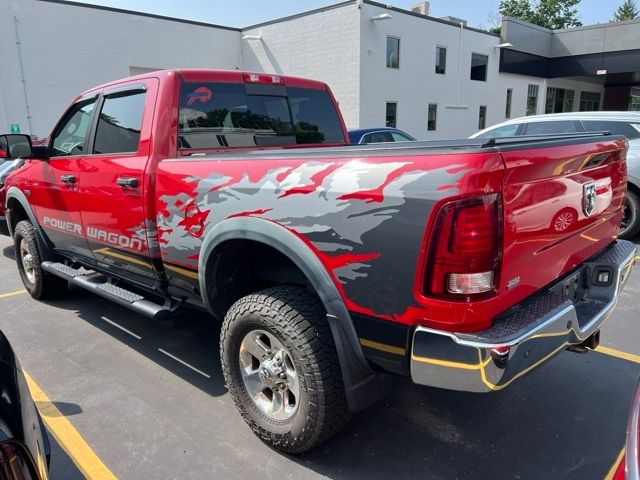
(215, 115)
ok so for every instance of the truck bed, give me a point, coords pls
(366, 212)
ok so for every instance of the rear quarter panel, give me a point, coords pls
(364, 217)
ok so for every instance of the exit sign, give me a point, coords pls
(15, 128)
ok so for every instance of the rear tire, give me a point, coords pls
(631, 220)
(281, 335)
(39, 283)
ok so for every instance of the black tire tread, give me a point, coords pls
(302, 318)
(47, 286)
(634, 228)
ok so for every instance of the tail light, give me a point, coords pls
(263, 78)
(464, 252)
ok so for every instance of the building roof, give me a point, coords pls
(140, 14)
(269, 22)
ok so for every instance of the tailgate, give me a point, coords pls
(562, 204)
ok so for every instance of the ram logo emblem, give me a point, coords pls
(588, 198)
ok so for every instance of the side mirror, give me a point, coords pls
(15, 146)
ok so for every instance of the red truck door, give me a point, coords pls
(54, 192)
(112, 175)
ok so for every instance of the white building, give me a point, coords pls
(379, 61)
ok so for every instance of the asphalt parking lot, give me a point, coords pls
(149, 400)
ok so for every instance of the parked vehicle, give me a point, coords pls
(9, 163)
(618, 123)
(378, 135)
(629, 465)
(334, 267)
(24, 445)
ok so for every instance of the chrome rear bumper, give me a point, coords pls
(527, 334)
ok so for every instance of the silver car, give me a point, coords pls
(619, 123)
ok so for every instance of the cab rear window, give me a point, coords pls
(219, 115)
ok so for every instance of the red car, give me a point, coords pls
(333, 267)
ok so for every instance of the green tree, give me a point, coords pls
(627, 11)
(552, 14)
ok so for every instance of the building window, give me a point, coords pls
(532, 100)
(393, 52)
(482, 117)
(432, 116)
(589, 101)
(441, 60)
(507, 108)
(558, 100)
(479, 67)
(634, 99)
(392, 109)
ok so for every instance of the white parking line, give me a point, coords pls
(184, 363)
(111, 322)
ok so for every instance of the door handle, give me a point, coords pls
(128, 182)
(68, 179)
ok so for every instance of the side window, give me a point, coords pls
(70, 137)
(504, 131)
(399, 137)
(617, 128)
(379, 137)
(545, 128)
(119, 123)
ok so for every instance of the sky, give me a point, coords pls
(241, 13)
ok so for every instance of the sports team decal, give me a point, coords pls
(201, 94)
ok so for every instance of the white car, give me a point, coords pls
(619, 123)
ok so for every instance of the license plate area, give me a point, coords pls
(574, 287)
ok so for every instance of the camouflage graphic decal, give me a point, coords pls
(365, 220)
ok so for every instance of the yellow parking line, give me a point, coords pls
(618, 354)
(613, 468)
(11, 294)
(67, 436)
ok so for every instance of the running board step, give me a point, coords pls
(112, 292)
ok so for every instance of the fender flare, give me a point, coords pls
(46, 251)
(363, 386)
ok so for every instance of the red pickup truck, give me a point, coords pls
(460, 264)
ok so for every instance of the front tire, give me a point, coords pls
(281, 367)
(39, 283)
(631, 217)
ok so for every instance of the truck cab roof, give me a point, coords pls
(215, 75)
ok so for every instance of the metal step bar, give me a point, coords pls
(119, 295)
